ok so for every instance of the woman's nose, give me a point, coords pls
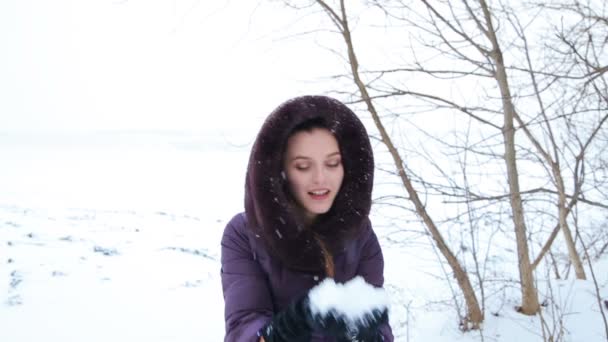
(318, 175)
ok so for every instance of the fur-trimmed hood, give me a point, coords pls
(270, 212)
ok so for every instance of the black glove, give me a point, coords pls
(368, 329)
(292, 324)
(344, 329)
(297, 322)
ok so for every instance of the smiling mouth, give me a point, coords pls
(319, 194)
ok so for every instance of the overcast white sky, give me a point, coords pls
(162, 64)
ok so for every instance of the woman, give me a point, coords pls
(307, 199)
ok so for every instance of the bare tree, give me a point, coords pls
(581, 70)
(474, 315)
(531, 100)
(470, 30)
(469, 35)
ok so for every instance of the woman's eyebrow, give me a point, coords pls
(300, 157)
(308, 158)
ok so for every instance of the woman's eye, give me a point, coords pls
(335, 163)
(301, 167)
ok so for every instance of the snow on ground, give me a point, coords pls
(115, 237)
(80, 274)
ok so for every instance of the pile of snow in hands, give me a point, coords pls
(352, 300)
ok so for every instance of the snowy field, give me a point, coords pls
(115, 237)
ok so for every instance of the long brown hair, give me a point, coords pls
(328, 258)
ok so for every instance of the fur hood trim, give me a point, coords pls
(269, 208)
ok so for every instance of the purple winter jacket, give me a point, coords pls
(257, 285)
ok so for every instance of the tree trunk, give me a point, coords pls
(563, 223)
(474, 316)
(530, 304)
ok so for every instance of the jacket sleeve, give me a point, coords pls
(371, 268)
(247, 300)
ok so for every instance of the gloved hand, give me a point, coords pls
(343, 328)
(353, 311)
(323, 309)
(367, 329)
(295, 323)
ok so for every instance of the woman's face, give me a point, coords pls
(314, 171)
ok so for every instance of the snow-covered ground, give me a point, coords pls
(115, 237)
